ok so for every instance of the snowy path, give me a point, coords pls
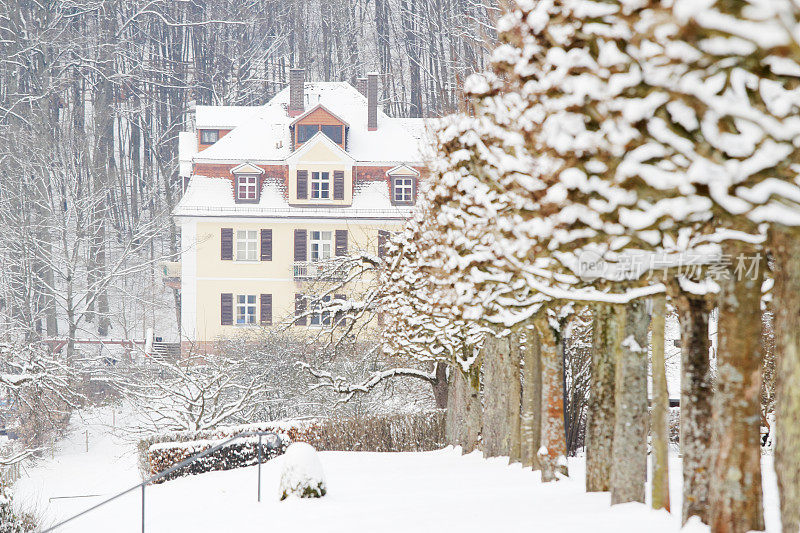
(382, 492)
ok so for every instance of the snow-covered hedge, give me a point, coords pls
(397, 433)
(293, 430)
(236, 454)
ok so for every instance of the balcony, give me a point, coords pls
(319, 271)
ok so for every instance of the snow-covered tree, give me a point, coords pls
(418, 324)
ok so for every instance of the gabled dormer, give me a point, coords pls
(403, 183)
(320, 173)
(247, 183)
(315, 120)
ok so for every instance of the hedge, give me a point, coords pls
(395, 433)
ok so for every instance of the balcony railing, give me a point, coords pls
(318, 271)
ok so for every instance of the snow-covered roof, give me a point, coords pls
(223, 116)
(214, 197)
(266, 135)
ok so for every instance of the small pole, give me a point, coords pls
(87, 441)
(143, 486)
(259, 468)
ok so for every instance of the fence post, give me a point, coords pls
(259, 469)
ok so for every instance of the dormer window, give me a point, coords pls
(333, 132)
(403, 190)
(318, 119)
(306, 131)
(247, 183)
(247, 188)
(320, 185)
(403, 185)
(209, 136)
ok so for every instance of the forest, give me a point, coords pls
(94, 93)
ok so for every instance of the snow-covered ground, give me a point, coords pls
(383, 492)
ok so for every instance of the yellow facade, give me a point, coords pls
(215, 276)
(321, 157)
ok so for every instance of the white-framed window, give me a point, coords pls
(247, 187)
(321, 245)
(320, 185)
(246, 245)
(403, 190)
(209, 136)
(318, 316)
(245, 309)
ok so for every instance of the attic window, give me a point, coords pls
(334, 132)
(247, 188)
(403, 190)
(209, 136)
(306, 131)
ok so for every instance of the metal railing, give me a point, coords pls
(317, 271)
(274, 442)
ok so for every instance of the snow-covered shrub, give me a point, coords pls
(293, 431)
(302, 474)
(237, 454)
(11, 521)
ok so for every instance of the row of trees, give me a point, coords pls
(619, 155)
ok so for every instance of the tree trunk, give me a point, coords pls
(660, 409)
(440, 387)
(496, 397)
(463, 409)
(629, 451)
(786, 300)
(514, 393)
(695, 413)
(735, 496)
(531, 417)
(601, 411)
(552, 455)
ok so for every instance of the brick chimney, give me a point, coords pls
(361, 85)
(296, 96)
(372, 101)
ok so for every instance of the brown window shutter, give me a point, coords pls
(226, 309)
(226, 244)
(339, 317)
(341, 242)
(300, 245)
(414, 189)
(266, 309)
(300, 309)
(302, 184)
(338, 185)
(383, 239)
(266, 245)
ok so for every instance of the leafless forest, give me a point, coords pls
(94, 92)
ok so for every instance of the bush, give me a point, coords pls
(302, 474)
(397, 433)
(236, 454)
(416, 432)
(11, 522)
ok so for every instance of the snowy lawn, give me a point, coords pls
(382, 492)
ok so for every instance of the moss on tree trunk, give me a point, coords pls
(696, 392)
(553, 452)
(601, 411)
(531, 417)
(629, 453)
(786, 299)
(660, 410)
(735, 489)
